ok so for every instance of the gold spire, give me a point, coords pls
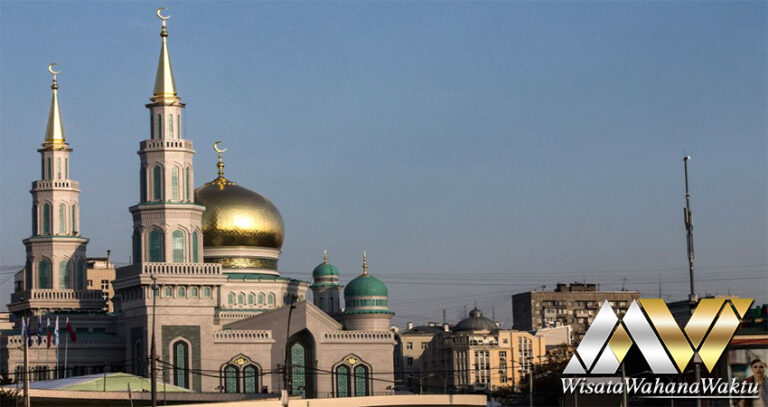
(365, 265)
(220, 180)
(165, 87)
(325, 257)
(54, 132)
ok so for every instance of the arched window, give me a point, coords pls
(35, 226)
(65, 274)
(80, 277)
(49, 169)
(62, 218)
(181, 364)
(58, 168)
(188, 188)
(157, 183)
(321, 303)
(240, 299)
(194, 247)
(271, 299)
(159, 126)
(181, 292)
(44, 274)
(261, 299)
(152, 126)
(231, 299)
(193, 292)
(298, 370)
(170, 126)
(250, 379)
(66, 168)
(250, 299)
(342, 381)
(178, 246)
(361, 381)
(168, 292)
(155, 245)
(231, 379)
(175, 183)
(74, 219)
(47, 219)
(206, 292)
(178, 126)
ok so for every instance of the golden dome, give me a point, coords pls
(237, 216)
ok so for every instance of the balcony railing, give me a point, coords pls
(162, 144)
(50, 184)
(57, 295)
(173, 268)
(241, 336)
(356, 336)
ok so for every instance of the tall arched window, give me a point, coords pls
(49, 169)
(181, 364)
(58, 168)
(80, 277)
(188, 188)
(66, 168)
(159, 126)
(231, 379)
(152, 126)
(181, 292)
(321, 303)
(361, 381)
(231, 299)
(175, 183)
(206, 292)
(240, 299)
(157, 183)
(44, 274)
(170, 126)
(143, 184)
(178, 246)
(250, 379)
(194, 247)
(65, 275)
(262, 299)
(250, 299)
(62, 218)
(35, 226)
(168, 292)
(178, 126)
(46, 219)
(298, 369)
(194, 292)
(342, 381)
(271, 298)
(74, 219)
(155, 245)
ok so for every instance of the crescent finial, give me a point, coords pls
(217, 149)
(160, 16)
(50, 69)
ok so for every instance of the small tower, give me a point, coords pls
(326, 289)
(365, 300)
(56, 259)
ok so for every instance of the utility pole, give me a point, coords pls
(286, 372)
(512, 308)
(27, 402)
(688, 219)
(153, 355)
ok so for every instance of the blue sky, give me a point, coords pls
(475, 150)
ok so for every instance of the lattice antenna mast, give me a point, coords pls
(688, 219)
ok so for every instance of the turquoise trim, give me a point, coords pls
(168, 203)
(368, 312)
(260, 277)
(325, 285)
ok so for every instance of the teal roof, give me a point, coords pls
(325, 269)
(365, 285)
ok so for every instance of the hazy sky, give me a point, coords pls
(475, 150)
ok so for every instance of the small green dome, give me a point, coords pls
(365, 285)
(324, 270)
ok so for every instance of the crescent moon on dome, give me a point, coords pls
(217, 149)
(50, 68)
(160, 16)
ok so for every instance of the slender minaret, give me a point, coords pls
(326, 289)
(166, 220)
(56, 257)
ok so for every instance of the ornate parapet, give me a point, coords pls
(242, 336)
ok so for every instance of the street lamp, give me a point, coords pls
(286, 375)
(153, 356)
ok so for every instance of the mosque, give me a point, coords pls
(203, 288)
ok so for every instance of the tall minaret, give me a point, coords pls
(55, 251)
(166, 222)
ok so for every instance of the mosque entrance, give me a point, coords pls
(302, 365)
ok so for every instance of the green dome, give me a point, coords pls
(365, 286)
(324, 270)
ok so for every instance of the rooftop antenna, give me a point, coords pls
(444, 316)
(623, 283)
(688, 219)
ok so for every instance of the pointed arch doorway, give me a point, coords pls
(302, 375)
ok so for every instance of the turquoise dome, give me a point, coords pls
(325, 270)
(365, 285)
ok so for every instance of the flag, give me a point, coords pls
(39, 330)
(71, 331)
(48, 330)
(23, 328)
(29, 333)
(56, 332)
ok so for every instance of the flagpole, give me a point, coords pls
(26, 370)
(66, 349)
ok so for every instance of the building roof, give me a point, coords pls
(475, 322)
(95, 382)
(365, 285)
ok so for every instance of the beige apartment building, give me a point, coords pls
(573, 304)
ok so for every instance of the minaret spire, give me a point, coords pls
(325, 257)
(54, 132)
(165, 86)
(365, 265)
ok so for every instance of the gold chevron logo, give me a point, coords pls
(649, 324)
